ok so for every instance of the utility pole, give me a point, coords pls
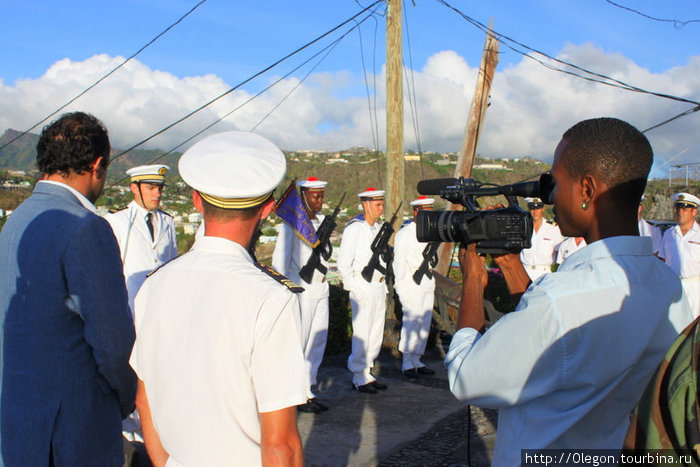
(394, 141)
(394, 110)
(477, 113)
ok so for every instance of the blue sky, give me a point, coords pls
(53, 50)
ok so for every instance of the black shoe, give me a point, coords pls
(424, 370)
(309, 407)
(318, 404)
(365, 388)
(378, 385)
(410, 374)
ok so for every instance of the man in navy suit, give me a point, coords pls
(67, 331)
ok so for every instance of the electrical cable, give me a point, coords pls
(603, 79)
(678, 24)
(682, 114)
(369, 102)
(328, 48)
(89, 88)
(411, 86)
(247, 80)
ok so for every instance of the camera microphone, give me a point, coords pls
(435, 185)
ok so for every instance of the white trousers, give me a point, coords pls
(314, 333)
(368, 311)
(417, 308)
(691, 287)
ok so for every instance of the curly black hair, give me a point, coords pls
(72, 143)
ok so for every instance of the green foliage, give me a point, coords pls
(184, 242)
(269, 232)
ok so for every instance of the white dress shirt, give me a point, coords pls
(217, 342)
(568, 366)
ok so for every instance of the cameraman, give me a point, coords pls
(568, 366)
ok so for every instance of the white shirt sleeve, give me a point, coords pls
(278, 355)
(516, 360)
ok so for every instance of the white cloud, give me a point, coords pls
(531, 106)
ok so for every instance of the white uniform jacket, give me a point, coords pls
(355, 252)
(408, 256)
(291, 254)
(682, 252)
(140, 254)
(545, 243)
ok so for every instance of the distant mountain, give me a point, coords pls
(21, 155)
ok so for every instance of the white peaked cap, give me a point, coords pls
(533, 200)
(422, 201)
(154, 173)
(371, 193)
(686, 198)
(234, 169)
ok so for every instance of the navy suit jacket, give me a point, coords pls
(66, 337)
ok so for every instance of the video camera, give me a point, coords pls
(496, 231)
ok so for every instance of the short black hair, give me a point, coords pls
(613, 150)
(72, 143)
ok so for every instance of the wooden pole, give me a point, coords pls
(394, 142)
(394, 111)
(477, 113)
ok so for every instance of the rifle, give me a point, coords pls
(430, 260)
(323, 249)
(381, 249)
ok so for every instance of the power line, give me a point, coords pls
(372, 117)
(229, 91)
(594, 77)
(411, 85)
(89, 88)
(329, 48)
(682, 114)
(678, 24)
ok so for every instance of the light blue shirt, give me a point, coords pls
(568, 366)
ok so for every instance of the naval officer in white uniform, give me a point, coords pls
(218, 346)
(680, 247)
(417, 299)
(546, 237)
(143, 247)
(290, 255)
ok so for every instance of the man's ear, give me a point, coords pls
(197, 201)
(97, 167)
(590, 188)
(267, 208)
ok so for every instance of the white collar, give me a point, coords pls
(81, 197)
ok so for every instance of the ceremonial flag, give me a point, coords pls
(290, 209)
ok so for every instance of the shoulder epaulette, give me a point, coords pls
(163, 212)
(293, 287)
(405, 223)
(158, 268)
(113, 210)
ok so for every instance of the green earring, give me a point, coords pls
(584, 205)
